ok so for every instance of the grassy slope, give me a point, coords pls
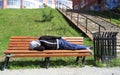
(36, 22)
(31, 22)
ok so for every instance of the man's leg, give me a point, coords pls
(64, 44)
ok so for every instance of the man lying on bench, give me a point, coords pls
(55, 43)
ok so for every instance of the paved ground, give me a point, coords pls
(64, 71)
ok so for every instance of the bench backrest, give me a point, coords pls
(22, 42)
(19, 47)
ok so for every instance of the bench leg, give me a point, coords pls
(77, 59)
(47, 62)
(83, 60)
(6, 62)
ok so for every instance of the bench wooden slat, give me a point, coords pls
(51, 55)
(27, 37)
(24, 37)
(46, 51)
(33, 37)
(18, 48)
(26, 44)
(18, 44)
(28, 40)
(73, 38)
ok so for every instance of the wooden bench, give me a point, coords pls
(19, 47)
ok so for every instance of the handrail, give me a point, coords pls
(93, 21)
(85, 11)
(60, 6)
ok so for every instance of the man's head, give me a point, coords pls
(34, 44)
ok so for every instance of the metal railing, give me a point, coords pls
(64, 8)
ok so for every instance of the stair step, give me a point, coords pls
(93, 27)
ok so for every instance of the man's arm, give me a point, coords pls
(49, 38)
(39, 48)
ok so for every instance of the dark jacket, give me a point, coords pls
(48, 43)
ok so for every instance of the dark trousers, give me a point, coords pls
(63, 44)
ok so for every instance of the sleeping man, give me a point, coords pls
(54, 43)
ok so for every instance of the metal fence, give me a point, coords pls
(104, 46)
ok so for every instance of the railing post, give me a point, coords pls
(62, 7)
(110, 15)
(71, 15)
(86, 23)
(66, 11)
(58, 5)
(77, 18)
(99, 29)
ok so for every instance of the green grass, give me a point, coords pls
(34, 22)
(37, 22)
